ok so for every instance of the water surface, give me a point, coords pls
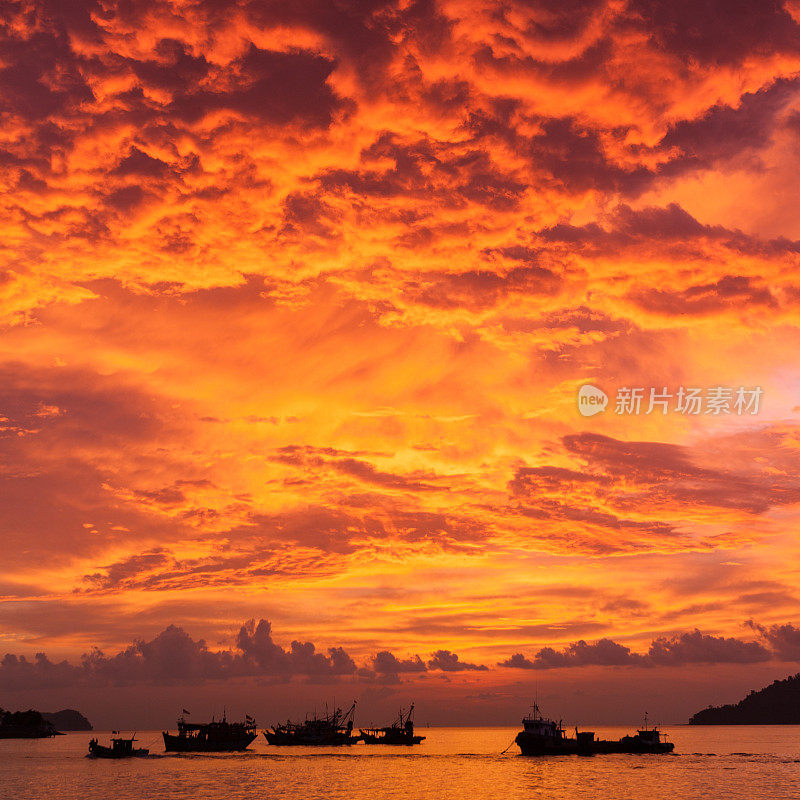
(752, 763)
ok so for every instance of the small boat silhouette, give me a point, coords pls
(120, 748)
(401, 731)
(333, 729)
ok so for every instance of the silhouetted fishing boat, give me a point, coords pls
(120, 748)
(217, 736)
(545, 737)
(401, 731)
(541, 736)
(646, 740)
(332, 729)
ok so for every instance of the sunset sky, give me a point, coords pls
(296, 301)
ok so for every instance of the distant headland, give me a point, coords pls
(67, 720)
(776, 704)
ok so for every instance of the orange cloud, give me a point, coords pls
(296, 303)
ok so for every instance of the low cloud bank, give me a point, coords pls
(173, 656)
(778, 642)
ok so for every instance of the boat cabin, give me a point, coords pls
(537, 725)
(651, 736)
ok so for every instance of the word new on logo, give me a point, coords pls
(591, 400)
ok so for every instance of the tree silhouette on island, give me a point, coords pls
(33, 724)
(776, 704)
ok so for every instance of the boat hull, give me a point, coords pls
(399, 739)
(100, 751)
(189, 744)
(633, 745)
(543, 746)
(282, 739)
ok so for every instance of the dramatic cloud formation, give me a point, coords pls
(784, 640)
(449, 662)
(694, 648)
(578, 654)
(174, 657)
(386, 663)
(686, 648)
(296, 300)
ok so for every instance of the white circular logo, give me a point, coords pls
(591, 400)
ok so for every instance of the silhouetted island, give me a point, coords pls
(25, 725)
(776, 704)
(33, 724)
(68, 720)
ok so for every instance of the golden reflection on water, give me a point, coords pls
(721, 762)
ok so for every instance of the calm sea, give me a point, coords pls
(718, 762)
